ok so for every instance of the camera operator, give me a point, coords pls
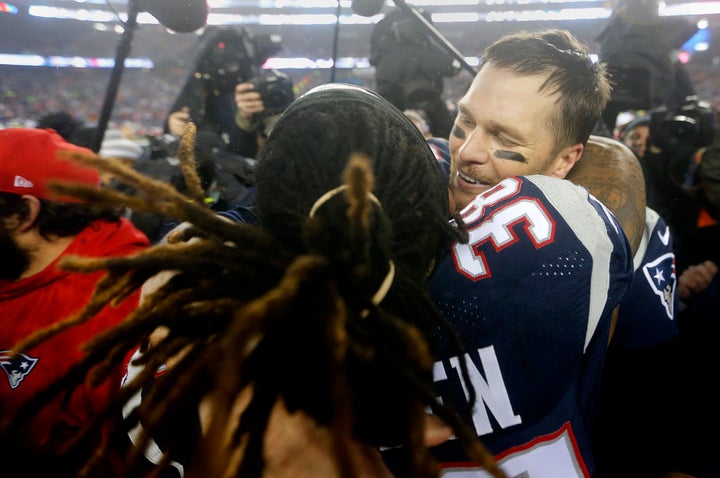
(260, 101)
(409, 68)
(679, 141)
(226, 58)
(682, 164)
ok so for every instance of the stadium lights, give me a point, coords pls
(498, 15)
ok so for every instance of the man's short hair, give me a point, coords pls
(583, 85)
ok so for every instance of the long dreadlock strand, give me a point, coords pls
(186, 155)
(153, 196)
(358, 177)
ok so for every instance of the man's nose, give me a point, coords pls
(475, 147)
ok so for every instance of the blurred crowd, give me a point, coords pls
(27, 94)
(30, 93)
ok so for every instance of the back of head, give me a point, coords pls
(583, 86)
(116, 145)
(301, 169)
(642, 120)
(65, 124)
(309, 148)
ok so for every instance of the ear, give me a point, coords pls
(33, 205)
(565, 160)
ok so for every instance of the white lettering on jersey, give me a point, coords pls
(554, 455)
(503, 190)
(492, 395)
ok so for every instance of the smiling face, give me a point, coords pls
(636, 139)
(504, 127)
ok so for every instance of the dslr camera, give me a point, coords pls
(230, 56)
(276, 91)
(680, 134)
(684, 130)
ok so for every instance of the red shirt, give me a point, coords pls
(46, 298)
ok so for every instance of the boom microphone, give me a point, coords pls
(367, 8)
(182, 16)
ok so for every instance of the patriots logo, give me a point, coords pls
(660, 275)
(16, 368)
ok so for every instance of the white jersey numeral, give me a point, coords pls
(499, 230)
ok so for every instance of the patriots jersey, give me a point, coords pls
(531, 297)
(648, 311)
(163, 437)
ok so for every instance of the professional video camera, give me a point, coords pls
(234, 55)
(680, 133)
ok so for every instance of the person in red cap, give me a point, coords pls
(37, 229)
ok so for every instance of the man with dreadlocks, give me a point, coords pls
(37, 229)
(307, 342)
(315, 319)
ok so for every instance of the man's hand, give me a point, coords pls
(696, 279)
(178, 121)
(249, 103)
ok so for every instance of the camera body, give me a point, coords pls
(684, 130)
(231, 56)
(680, 134)
(276, 91)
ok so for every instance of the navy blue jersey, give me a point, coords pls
(441, 149)
(531, 296)
(163, 438)
(648, 311)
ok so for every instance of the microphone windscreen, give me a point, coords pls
(182, 16)
(367, 8)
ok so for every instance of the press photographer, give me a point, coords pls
(681, 167)
(638, 48)
(679, 141)
(260, 101)
(226, 58)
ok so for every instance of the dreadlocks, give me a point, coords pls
(321, 307)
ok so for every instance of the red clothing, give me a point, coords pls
(46, 298)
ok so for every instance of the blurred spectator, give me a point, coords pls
(410, 67)
(637, 46)
(420, 120)
(39, 229)
(635, 135)
(117, 146)
(65, 124)
(709, 173)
